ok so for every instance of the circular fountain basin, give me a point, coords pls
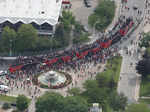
(52, 78)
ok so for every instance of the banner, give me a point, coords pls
(66, 58)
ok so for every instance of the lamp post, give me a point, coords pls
(10, 52)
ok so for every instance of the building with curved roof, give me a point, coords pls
(37, 12)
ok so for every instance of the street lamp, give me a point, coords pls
(10, 52)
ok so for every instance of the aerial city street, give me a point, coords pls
(75, 56)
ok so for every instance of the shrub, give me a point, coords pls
(6, 106)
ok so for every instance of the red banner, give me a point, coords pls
(66, 58)
(95, 50)
(15, 68)
(49, 62)
(105, 44)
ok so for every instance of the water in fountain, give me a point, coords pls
(52, 77)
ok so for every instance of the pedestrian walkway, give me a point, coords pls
(129, 82)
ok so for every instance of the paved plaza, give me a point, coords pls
(129, 82)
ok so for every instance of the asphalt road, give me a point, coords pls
(129, 79)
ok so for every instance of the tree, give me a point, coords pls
(75, 104)
(50, 102)
(143, 67)
(26, 37)
(145, 40)
(103, 15)
(90, 84)
(8, 38)
(22, 102)
(147, 53)
(6, 106)
(43, 43)
(67, 20)
(92, 19)
(138, 108)
(93, 93)
(103, 79)
(117, 101)
(74, 91)
(62, 36)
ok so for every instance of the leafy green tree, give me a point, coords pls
(75, 104)
(103, 79)
(90, 84)
(143, 67)
(83, 37)
(118, 101)
(50, 102)
(145, 40)
(6, 106)
(8, 38)
(93, 93)
(43, 43)
(138, 108)
(74, 91)
(26, 37)
(67, 20)
(92, 19)
(62, 36)
(22, 102)
(103, 15)
(147, 53)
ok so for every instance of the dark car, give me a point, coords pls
(87, 3)
(13, 104)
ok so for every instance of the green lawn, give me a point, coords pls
(114, 67)
(147, 101)
(7, 98)
(145, 87)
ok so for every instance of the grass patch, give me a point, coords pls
(147, 101)
(114, 67)
(7, 98)
(145, 87)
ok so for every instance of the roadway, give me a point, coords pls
(129, 83)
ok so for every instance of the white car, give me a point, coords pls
(3, 73)
(4, 88)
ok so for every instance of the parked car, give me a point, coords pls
(4, 88)
(87, 3)
(13, 104)
(2, 73)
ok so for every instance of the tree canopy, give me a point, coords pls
(50, 102)
(26, 37)
(103, 15)
(22, 102)
(75, 104)
(8, 38)
(145, 40)
(54, 102)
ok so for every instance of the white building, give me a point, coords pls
(95, 108)
(42, 14)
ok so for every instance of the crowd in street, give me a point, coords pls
(79, 67)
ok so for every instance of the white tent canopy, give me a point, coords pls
(27, 11)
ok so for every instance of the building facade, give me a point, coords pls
(42, 14)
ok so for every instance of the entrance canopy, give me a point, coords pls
(27, 11)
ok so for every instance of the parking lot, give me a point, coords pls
(82, 12)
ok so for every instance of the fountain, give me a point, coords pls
(54, 79)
